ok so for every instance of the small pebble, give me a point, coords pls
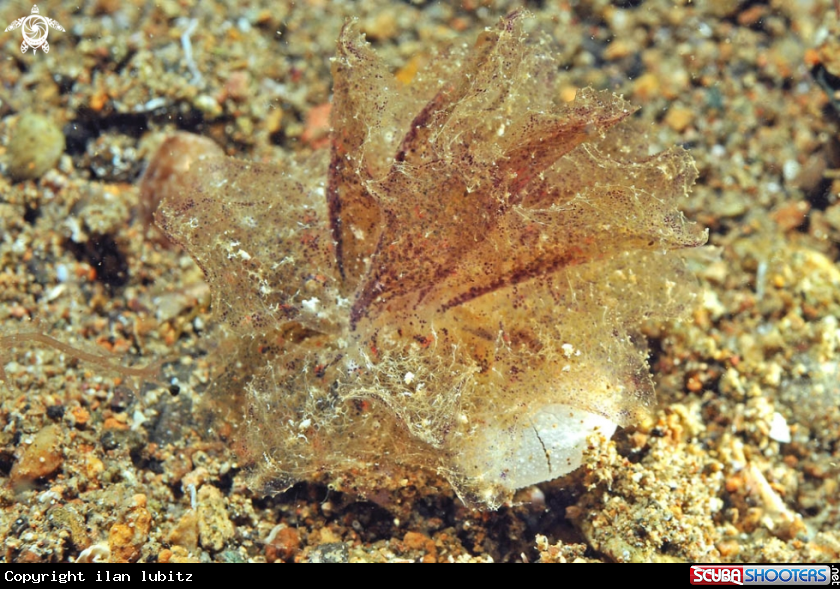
(40, 458)
(35, 147)
(166, 173)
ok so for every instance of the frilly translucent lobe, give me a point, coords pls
(263, 255)
(462, 277)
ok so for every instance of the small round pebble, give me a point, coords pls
(35, 147)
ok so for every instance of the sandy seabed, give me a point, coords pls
(736, 462)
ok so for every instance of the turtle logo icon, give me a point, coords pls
(35, 30)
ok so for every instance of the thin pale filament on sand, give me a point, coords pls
(150, 372)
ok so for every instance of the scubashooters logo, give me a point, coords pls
(717, 575)
(763, 575)
(35, 29)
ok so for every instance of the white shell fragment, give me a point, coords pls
(779, 429)
(547, 446)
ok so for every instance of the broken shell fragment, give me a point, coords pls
(546, 446)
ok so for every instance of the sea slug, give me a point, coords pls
(457, 285)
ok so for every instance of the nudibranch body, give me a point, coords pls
(458, 285)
